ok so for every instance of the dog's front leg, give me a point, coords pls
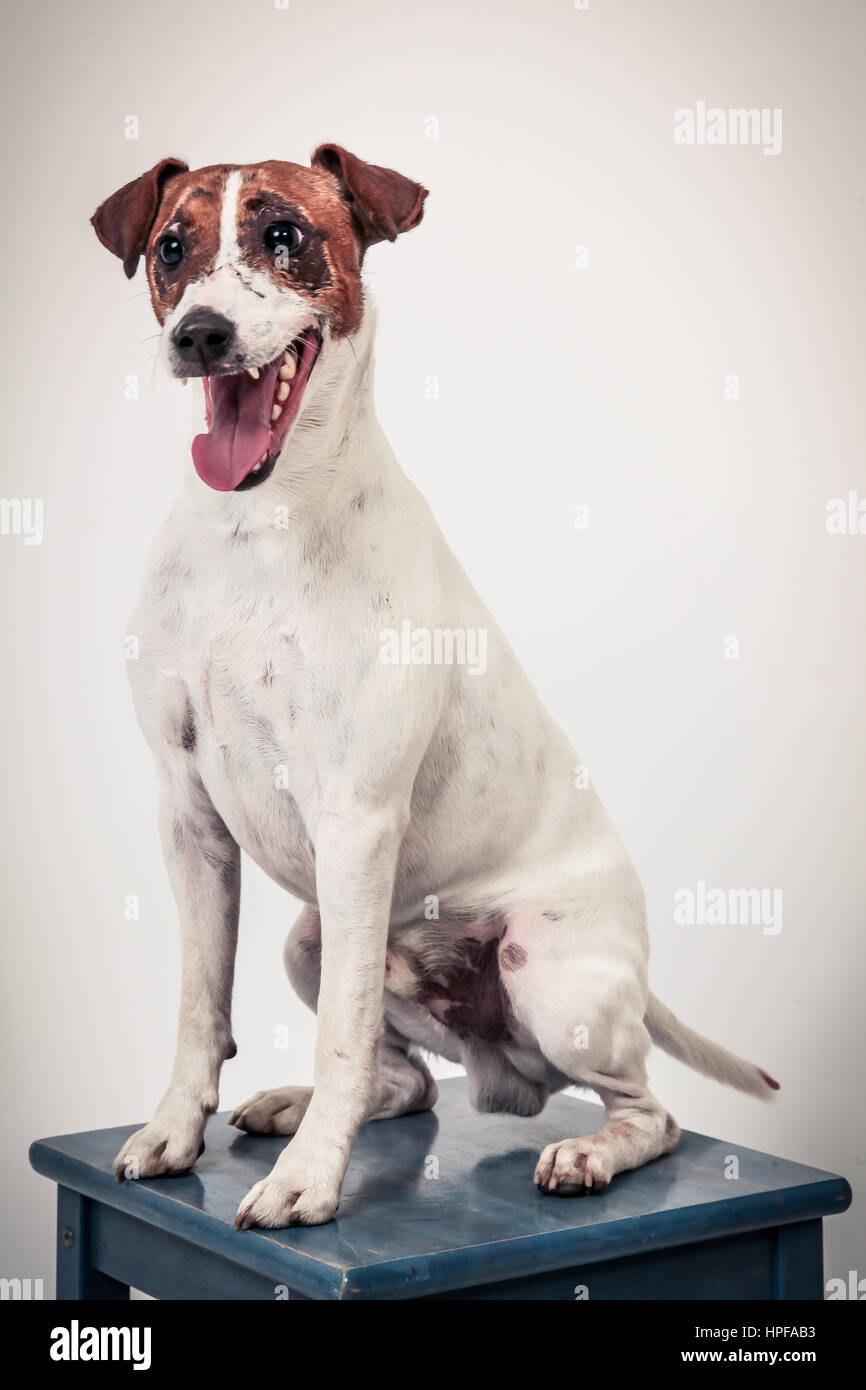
(355, 862)
(204, 866)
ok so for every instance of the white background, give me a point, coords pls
(557, 387)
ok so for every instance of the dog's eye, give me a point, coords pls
(283, 235)
(170, 250)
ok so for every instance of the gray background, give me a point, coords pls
(556, 387)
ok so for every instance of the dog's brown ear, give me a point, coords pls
(383, 203)
(124, 220)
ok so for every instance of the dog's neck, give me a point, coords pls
(334, 454)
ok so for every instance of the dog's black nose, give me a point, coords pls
(202, 338)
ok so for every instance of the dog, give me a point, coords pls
(462, 896)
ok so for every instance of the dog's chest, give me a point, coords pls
(256, 693)
(229, 684)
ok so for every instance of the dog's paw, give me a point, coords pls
(157, 1151)
(273, 1112)
(282, 1201)
(574, 1167)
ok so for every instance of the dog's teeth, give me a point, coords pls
(254, 373)
(283, 392)
(263, 459)
(276, 412)
(289, 367)
(257, 466)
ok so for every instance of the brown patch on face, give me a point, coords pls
(326, 268)
(512, 956)
(190, 209)
(341, 204)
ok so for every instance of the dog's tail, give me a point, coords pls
(672, 1036)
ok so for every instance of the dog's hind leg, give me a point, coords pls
(405, 1084)
(495, 1086)
(302, 956)
(584, 1005)
(281, 1110)
(638, 1129)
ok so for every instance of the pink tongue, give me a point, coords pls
(239, 428)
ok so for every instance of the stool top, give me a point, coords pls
(445, 1200)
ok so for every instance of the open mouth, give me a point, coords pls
(249, 414)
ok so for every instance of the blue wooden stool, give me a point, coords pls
(442, 1205)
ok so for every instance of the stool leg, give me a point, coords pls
(798, 1267)
(76, 1277)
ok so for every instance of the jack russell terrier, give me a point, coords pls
(462, 896)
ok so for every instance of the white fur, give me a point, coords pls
(229, 250)
(364, 788)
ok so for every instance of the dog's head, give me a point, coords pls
(253, 270)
